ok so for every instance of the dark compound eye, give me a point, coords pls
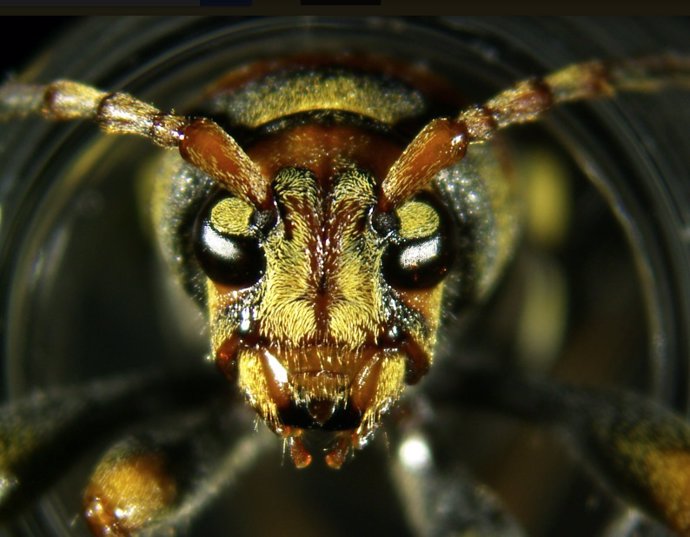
(422, 252)
(225, 243)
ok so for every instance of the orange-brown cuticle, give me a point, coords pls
(418, 362)
(364, 387)
(128, 492)
(207, 146)
(324, 150)
(440, 144)
(299, 453)
(226, 357)
(337, 454)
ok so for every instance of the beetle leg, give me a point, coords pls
(639, 448)
(156, 483)
(42, 433)
(440, 502)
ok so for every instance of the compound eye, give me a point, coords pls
(421, 254)
(225, 243)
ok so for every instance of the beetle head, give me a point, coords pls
(323, 307)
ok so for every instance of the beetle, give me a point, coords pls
(301, 367)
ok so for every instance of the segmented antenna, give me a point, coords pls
(201, 142)
(441, 143)
(444, 142)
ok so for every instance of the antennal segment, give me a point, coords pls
(444, 142)
(201, 142)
